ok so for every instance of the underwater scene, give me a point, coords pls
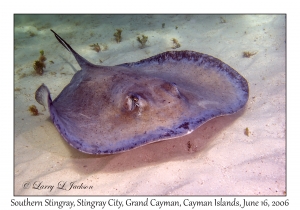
(159, 105)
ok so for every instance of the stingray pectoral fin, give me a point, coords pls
(81, 61)
(42, 96)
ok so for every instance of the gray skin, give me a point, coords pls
(111, 109)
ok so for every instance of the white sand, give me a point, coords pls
(222, 160)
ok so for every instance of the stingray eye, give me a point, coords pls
(131, 102)
(171, 88)
(135, 100)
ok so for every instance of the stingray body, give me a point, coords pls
(111, 109)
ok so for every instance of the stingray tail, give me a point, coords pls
(81, 61)
(42, 96)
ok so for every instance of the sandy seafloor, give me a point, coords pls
(221, 160)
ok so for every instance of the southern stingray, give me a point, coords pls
(111, 109)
